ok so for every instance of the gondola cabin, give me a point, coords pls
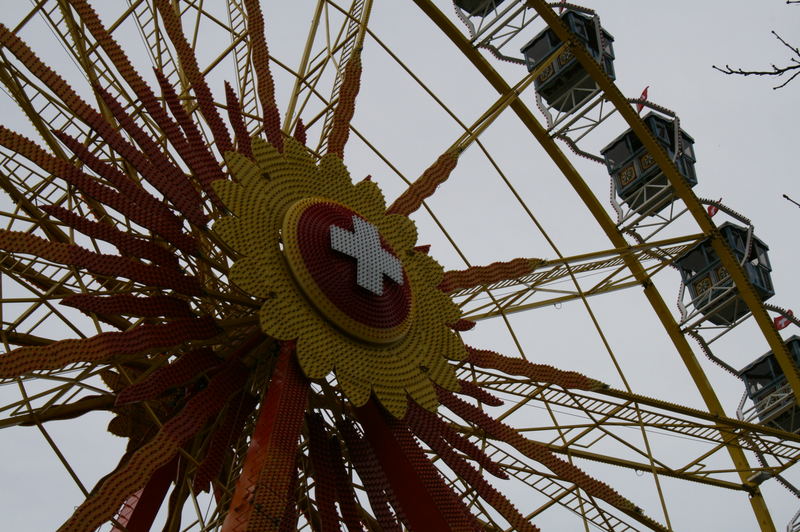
(769, 389)
(638, 180)
(478, 8)
(709, 284)
(564, 84)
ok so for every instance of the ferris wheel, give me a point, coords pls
(247, 285)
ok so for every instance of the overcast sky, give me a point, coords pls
(746, 144)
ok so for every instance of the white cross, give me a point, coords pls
(373, 262)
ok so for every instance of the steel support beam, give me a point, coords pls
(600, 214)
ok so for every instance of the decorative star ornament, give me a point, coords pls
(298, 224)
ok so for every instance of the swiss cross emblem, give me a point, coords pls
(363, 243)
(347, 270)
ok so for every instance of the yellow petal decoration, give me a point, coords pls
(407, 362)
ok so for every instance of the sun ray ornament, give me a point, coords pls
(330, 343)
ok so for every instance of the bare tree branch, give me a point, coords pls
(793, 67)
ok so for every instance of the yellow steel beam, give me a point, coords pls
(351, 42)
(599, 213)
(12, 266)
(362, 28)
(731, 423)
(556, 490)
(11, 79)
(60, 412)
(18, 338)
(503, 308)
(301, 70)
(620, 252)
(699, 476)
(537, 280)
(682, 189)
(52, 230)
(699, 425)
(686, 421)
(307, 78)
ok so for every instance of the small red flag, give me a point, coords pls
(561, 8)
(640, 106)
(781, 322)
(713, 209)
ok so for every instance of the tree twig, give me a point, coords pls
(793, 66)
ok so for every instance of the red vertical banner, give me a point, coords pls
(139, 510)
(427, 503)
(263, 490)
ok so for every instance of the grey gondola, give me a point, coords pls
(769, 390)
(564, 84)
(708, 281)
(639, 181)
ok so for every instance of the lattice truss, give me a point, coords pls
(555, 282)
(118, 296)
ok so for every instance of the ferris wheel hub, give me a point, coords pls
(347, 270)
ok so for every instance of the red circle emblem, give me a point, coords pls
(347, 270)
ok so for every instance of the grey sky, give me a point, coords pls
(746, 144)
